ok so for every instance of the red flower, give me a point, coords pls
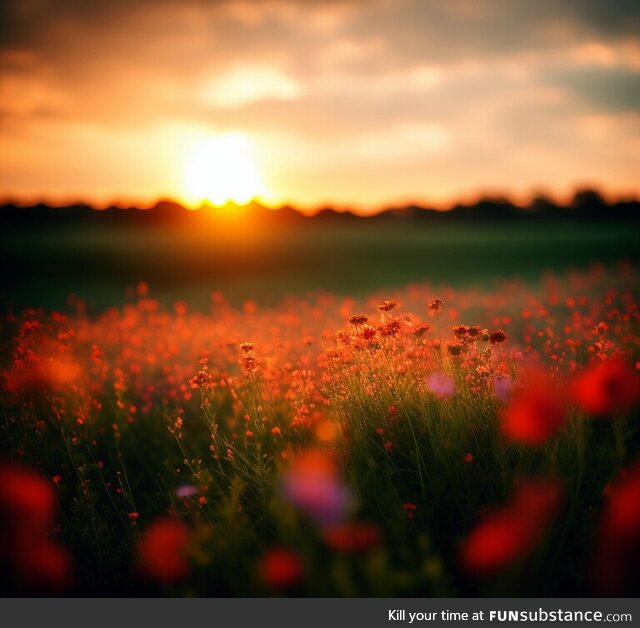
(281, 569)
(502, 537)
(27, 502)
(352, 537)
(535, 413)
(162, 551)
(607, 388)
(44, 567)
(497, 336)
(617, 550)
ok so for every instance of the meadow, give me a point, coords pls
(42, 266)
(475, 435)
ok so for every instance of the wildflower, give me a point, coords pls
(617, 548)
(247, 347)
(420, 330)
(186, 490)
(27, 502)
(162, 551)
(441, 384)
(312, 485)
(460, 330)
(387, 306)
(455, 348)
(410, 509)
(202, 500)
(358, 319)
(497, 336)
(390, 329)
(352, 537)
(607, 388)
(502, 537)
(535, 413)
(502, 385)
(473, 331)
(134, 515)
(368, 332)
(249, 363)
(468, 458)
(281, 569)
(43, 566)
(436, 305)
(276, 431)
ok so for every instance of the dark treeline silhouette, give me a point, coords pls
(586, 205)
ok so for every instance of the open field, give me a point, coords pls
(42, 267)
(465, 441)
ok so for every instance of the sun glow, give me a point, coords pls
(220, 170)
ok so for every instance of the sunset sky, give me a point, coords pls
(341, 102)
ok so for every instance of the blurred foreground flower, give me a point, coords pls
(504, 536)
(42, 375)
(441, 384)
(608, 387)
(27, 516)
(536, 411)
(503, 385)
(281, 569)
(352, 537)
(617, 550)
(312, 485)
(162, 551)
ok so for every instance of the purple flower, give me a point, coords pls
(321, 497)
(502, 385)
(441, 384)
(186, 490)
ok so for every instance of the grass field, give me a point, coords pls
(476, 434)
(43, 268)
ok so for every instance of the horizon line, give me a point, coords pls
(514, 199)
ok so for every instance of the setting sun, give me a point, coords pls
(222, 169)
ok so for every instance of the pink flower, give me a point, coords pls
(312, 486)
(502, 384)
(186, 490)
(441, 384)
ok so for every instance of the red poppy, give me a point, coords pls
(162, 551)
(44, 567)
(281, 569)
(502, 537)
(352, 537)
(607, 387)
(27, 502)
(534, 414)
(617, 549)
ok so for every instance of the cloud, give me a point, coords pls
(472, 92)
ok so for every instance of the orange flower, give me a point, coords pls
(387, 305)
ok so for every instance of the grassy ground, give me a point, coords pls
(41, 269)
(295, 450)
